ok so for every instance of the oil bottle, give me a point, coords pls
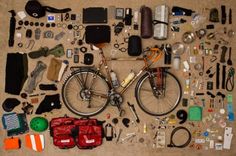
(127, 80)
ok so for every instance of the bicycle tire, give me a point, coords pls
(141, 105)
(69, 78)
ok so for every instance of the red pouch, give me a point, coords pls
(64, 141)
(89, 136)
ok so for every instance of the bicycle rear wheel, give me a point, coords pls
(85, 92)
(161, 105)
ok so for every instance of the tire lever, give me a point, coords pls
(132, 108)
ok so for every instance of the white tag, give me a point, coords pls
(21, 14)
(200, 141)
(160, 143)
(186, 65)
(90, 141)
(211, 145)
(65, 141)
(218, 146)
(227, 137)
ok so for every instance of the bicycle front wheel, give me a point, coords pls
(158, 105)
(85, 93)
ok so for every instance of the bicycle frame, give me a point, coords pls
(154, 57)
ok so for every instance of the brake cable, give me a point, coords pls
(172, 144)
(230, 80)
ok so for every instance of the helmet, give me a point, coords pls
(39, 124)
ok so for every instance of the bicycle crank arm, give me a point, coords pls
(132, 108)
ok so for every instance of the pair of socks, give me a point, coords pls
(35, 77)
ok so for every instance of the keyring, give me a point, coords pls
(83, 49)
(81, 27)
(116, 45)
(123, 49)
(59, 25)
(75, 27)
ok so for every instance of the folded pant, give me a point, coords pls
(16, 72)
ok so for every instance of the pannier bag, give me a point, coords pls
(68, 132)
(95, 34)
(36, 10)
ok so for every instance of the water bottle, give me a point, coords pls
(114, 80)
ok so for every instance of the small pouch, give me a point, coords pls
(64, 141)
(11, 143)
(89, 137)
(54, 69)
(134, 46)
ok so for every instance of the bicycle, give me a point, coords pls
(86, 92)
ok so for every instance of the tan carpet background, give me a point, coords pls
(121, 68)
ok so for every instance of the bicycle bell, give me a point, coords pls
(188, 37)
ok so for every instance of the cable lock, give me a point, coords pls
(172, 144)
(230, 80)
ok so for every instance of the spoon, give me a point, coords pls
(229, 61)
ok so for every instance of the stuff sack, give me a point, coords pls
(36, 10)
(146, 22)
(134, 46)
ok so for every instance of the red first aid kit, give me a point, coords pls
(68, 132)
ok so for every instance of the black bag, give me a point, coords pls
(134, 46)
(36, 10)
(97, 34)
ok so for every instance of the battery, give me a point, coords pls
(161, 26)
(69, 53)
(120, 13)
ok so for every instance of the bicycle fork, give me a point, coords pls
(158, 84)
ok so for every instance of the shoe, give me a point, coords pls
(57, 51)
(39, 53)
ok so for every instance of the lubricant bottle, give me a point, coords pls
(127, 80)
(114, 80)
